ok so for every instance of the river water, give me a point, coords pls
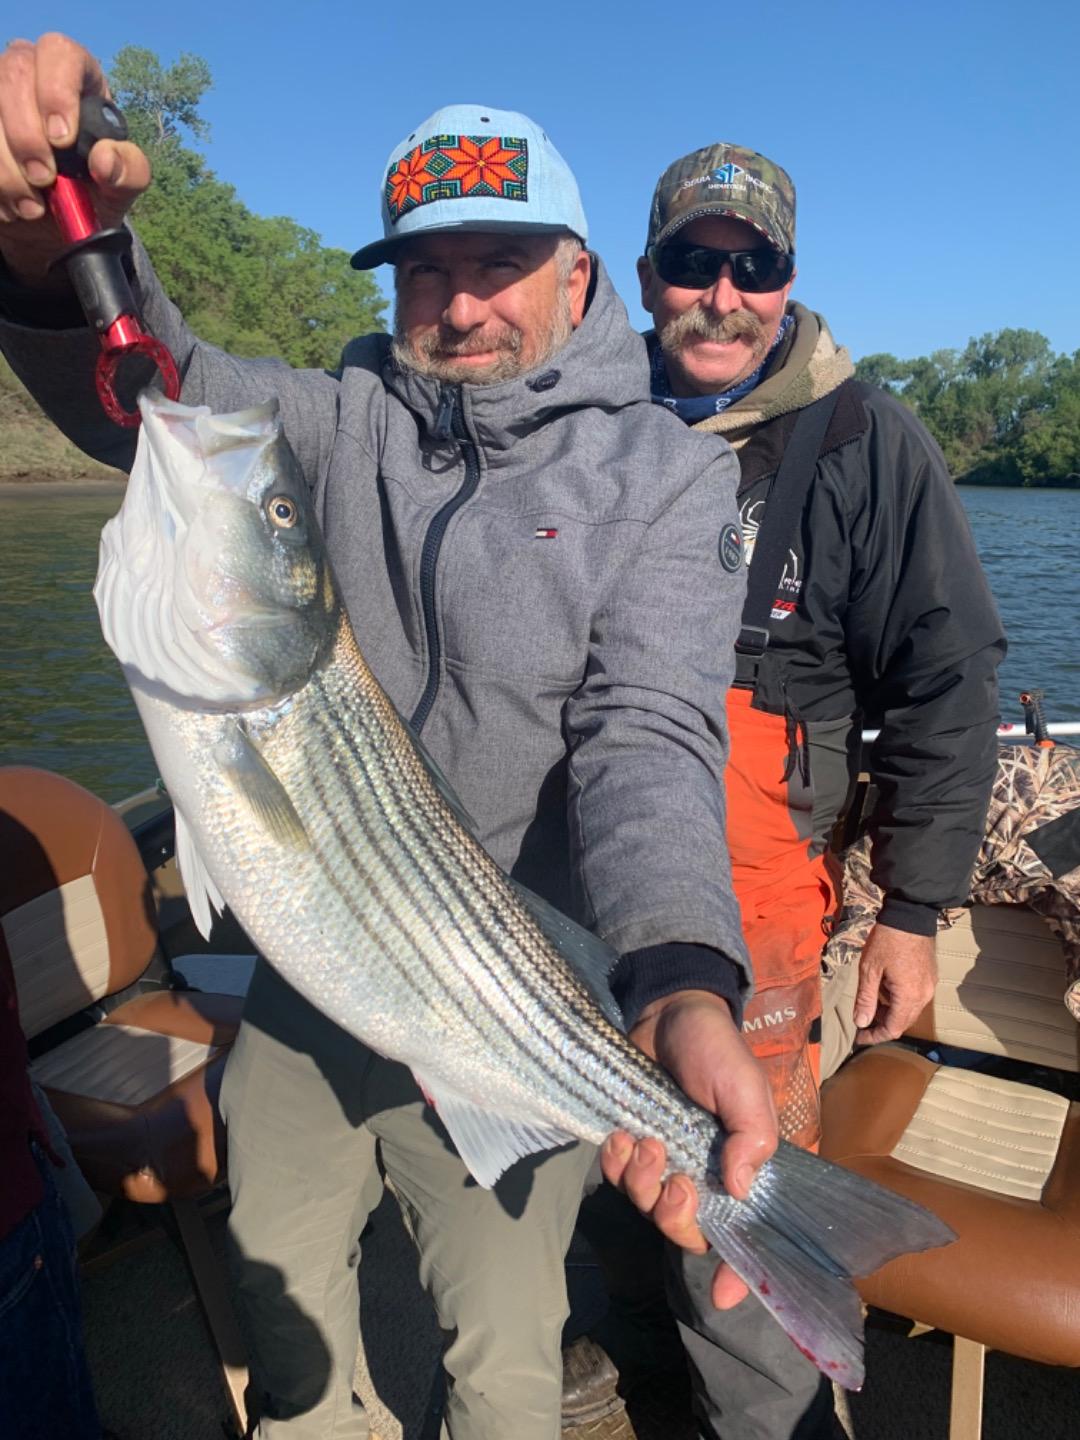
(64, 704)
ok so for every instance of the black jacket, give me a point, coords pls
(883, 619)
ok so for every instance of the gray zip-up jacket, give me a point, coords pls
(533, 571)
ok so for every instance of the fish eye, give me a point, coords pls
(282, 512)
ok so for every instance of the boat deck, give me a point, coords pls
(157, 1379)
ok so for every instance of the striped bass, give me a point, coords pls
(305, 804)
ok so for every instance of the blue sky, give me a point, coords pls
(934, 146)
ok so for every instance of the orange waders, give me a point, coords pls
(784, 892)
(784, 896)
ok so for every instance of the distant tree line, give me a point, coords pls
(255, 285)
(1005, 410)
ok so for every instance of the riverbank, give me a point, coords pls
(35, 456)
(33, 453)
(47, 487)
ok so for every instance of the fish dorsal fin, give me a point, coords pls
(487, 1143)
(202, 894)
(590, 958)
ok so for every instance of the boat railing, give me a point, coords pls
(1013, 730)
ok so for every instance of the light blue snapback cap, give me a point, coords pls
(469, 167)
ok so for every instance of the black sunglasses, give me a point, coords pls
(696, 267)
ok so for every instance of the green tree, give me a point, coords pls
(157, 101)
(251, 284)
(1004, 410)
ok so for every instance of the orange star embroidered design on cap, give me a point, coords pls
(487, 166)
(407, 181)
(450, 167)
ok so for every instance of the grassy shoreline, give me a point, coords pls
(33, 453)
(38, 487)
(35, 457)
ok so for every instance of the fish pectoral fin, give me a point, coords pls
(487, 1143)
(254, 781)
(202, 894)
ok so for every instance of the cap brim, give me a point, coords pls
(383, 252)
(729, 212)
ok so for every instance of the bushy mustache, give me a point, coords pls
(698, 324)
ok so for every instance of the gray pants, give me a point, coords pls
(749, 1382)
(311, 1113)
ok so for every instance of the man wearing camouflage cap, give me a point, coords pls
(866, 605)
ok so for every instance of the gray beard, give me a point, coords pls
(438, 355)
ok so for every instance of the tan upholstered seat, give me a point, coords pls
(77, 918)
(997, 1159)
(135, 1089)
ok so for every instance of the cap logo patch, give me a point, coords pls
(452, 167)
(726, 174)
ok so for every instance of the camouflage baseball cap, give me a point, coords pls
(725, 180)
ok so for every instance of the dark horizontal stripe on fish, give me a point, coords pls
(379, 941)
(418, 812)
(538, 979)
(406, 898)
(473, 980)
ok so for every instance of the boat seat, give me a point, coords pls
(134, 1083)
(997, 1159)
(137, 1095)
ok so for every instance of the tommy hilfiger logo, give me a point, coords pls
(542, 532)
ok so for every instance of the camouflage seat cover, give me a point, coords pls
(1033, 788)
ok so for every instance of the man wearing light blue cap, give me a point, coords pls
(543, 571)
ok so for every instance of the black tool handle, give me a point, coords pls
(99, 119)
(97, 270)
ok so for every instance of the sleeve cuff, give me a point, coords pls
(907, 915)
(642, 976)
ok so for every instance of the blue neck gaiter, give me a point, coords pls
(694, 408)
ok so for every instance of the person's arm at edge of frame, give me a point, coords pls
(42, 329)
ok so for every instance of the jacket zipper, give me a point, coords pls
(449, 423)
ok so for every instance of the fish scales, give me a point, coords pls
(470, 964)
(515, 970)
(303, 802)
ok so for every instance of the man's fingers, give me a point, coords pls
(615, 1156)
(65, 73)
(727, 1289)
(638, 1171)
(745, 1151)
(121, 172)
(119, 169)
(40, 89)
(878, 1034)
(643, 1176)
(675, 1212)
(866, 997)
(25, 144)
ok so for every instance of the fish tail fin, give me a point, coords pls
(807, 1227)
